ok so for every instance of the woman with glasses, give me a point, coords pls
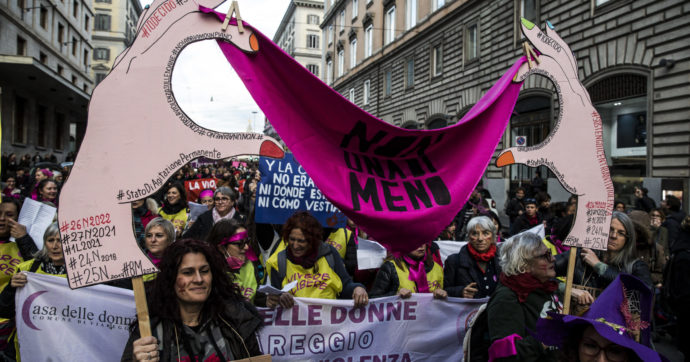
(231, 239)
(596, 269)
(527, 290)
(224, 209)
(316, 266)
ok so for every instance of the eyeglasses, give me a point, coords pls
(614, 232)
(613, 352)
(222, 199)
(240, 243)
(546, 256)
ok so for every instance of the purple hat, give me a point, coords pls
(621, 314)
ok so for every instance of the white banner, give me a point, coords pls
(387, 329)
(56, 323)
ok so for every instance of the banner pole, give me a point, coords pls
(568, 280)
(142, 307)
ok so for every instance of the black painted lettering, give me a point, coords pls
(421, 147)
(373, 166)
(417, 191)
(360, 131)
(349, 156)
(395, 146)
(390, 198)
(438, 190)
(415, 168)
(367, 193)
(394, 169)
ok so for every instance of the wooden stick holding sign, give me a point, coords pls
(236, 9)
(142, 306)
(579, 127)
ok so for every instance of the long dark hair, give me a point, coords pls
(180, 188)
(162, 298)
(221, 230)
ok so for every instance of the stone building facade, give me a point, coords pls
(114, 30)
(424, 63)
(45, 59)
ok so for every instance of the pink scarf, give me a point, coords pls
(154, 260)
(417, 273)
(217, 217)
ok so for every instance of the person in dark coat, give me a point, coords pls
(224, 208)
(673, 219)
(642, 201)
(196, 312)
(529, 219)
(474, 271)
(516, 205)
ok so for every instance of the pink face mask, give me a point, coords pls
(233, 261)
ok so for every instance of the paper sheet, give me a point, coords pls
(271, 290)
(370, 254)
(36, 216)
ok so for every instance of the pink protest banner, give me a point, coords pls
(235, 164)
(400, 186)
(124, 156)
(194, 187)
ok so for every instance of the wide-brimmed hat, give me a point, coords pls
(621, 314)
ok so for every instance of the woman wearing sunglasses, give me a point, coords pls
(231, 239)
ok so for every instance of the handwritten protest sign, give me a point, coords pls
(584, 173)
(120, 159)
(286, 187)
(194, 187)
(323, 329)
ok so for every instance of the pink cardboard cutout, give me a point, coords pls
(574, 151)
(137, 137)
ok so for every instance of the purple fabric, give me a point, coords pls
(504, 347)
(441, 167)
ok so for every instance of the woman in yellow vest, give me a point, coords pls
(10, 256)
(49, 260)
(315, 265)
(175, 206)
(232, 241)
(416, 272)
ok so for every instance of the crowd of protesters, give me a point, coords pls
(202, 303)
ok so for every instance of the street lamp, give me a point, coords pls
(254, 120)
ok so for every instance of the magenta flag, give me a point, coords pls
(400, 186)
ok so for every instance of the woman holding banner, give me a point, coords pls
(49, 260)
(416, 272)
(474, 271)
(232, 241)
(315, 265)
(224, 199)
(527, 290)
(196, 313)
(175, 206)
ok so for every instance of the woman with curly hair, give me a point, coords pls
(196, 312)
(316, 266)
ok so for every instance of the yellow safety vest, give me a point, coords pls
(434, 278)
(246, 280)
(273, 259)
(324, 284)
(179, 220)
(338, 239)
(9, 261)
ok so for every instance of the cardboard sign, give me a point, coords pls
(584, 173)
(402, 187)
(138, 137)
(285, 187)
(194, 187)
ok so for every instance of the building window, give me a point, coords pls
(437, 60)
(21, 4)
(313, 68)
(104, 1)
(368, 40)
(313, 41)
(471, 42)
(529, 10)
(437, 4)
(341, 21)
(41, 122)
(75, 8)
(87, 20)
(355, 9)
(74, 79)
(19, 120)
(410, 14)
(21, 46)
(43, 17)
(353, 53)
(103, 22)
(101, 54)
(389, 26)
(61, 35)
(313, 19)
(341, 62)
(59, 130)
(86, 59)
(387, 82)
(75, 44)
(601, 2)
(329, 72)
(43, 57)
(352, 95)
(409, 73)
(60, 70)
(367, 90)
(100, 77)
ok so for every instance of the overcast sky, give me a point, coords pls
(207, 87)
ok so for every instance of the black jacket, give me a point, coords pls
(513, 209)
(203, 224)
(587, 276)
(387, 282)
(461, 269)
(672, 223)
(242, 318)
(522, 223)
